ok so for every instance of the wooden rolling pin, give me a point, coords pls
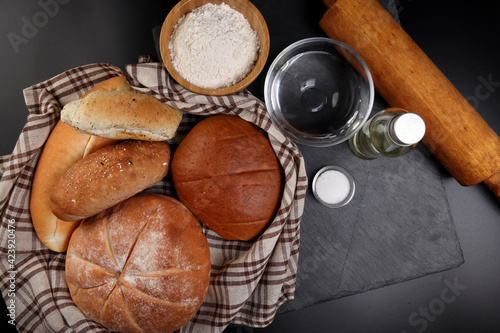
(405, 77)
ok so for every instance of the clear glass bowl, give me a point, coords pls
(319, 92)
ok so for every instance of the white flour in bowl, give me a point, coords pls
(213, 46)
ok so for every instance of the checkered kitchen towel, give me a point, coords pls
(250, 280)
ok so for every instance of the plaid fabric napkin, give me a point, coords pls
(249, 281)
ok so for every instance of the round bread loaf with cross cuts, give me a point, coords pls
(226, 172)
(140, 266)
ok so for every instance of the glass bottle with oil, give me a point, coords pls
(390, 133)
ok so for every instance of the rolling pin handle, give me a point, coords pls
(493, 183)
(329, 3)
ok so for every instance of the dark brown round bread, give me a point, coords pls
(226, 172)
(141, 266)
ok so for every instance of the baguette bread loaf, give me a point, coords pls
(108, 176)
(64, 147)
(123, 115)
(141, 266)
(226, 172)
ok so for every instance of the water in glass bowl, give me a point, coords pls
(317, 92)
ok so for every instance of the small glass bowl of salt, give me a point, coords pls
(333, 186)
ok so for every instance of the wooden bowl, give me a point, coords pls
(253, 16)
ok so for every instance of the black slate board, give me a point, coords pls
(397, 227)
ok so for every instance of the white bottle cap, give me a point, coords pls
(407, 129)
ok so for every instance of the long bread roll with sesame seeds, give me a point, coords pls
(63, 148)
(109, 176)
(123, 115)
